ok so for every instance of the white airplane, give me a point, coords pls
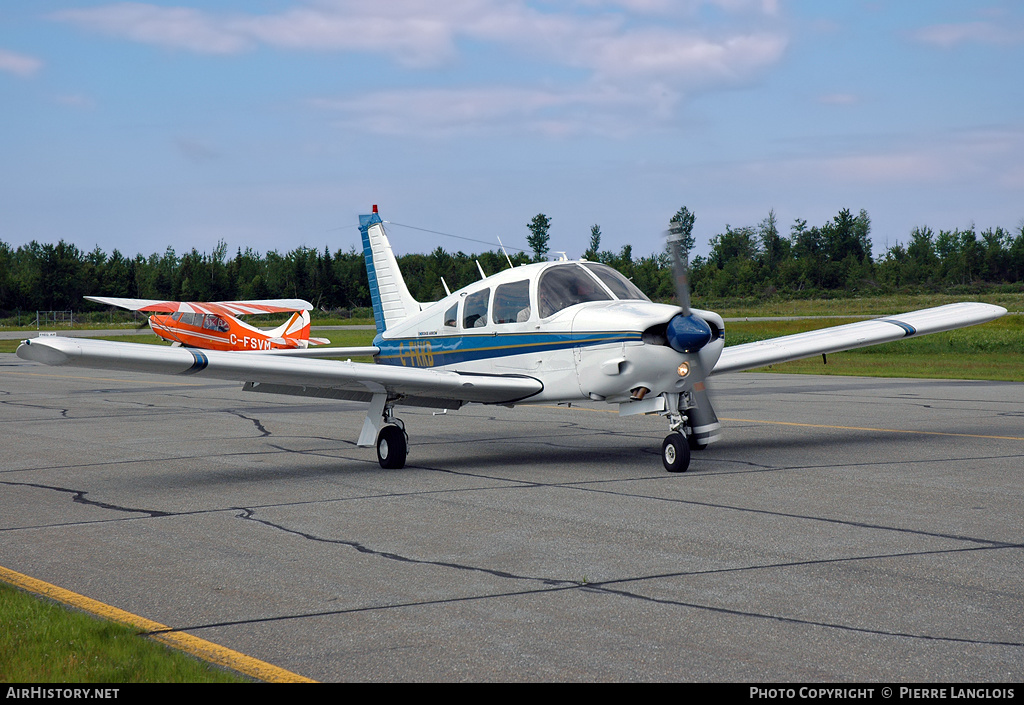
(553, 332)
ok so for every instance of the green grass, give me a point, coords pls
(45, 642)
(860, 306)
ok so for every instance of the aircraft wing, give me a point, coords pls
(854, 335)
(367, 351)
(232, 308)
(278, 374)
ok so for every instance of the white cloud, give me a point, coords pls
(179, 27)
(967, 157)
(549, 112)
(610, 43)
(19, 64)
(627, 61)
(679, 58)
(948, 35)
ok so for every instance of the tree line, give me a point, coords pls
(749, 261)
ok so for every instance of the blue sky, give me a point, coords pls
(272, 124)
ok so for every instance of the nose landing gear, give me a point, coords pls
(675, 452)
(675, 449)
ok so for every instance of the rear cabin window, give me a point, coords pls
(451, 316)
(564, 286)
(620, 286)
(215, 322)
(512, 302)
(474, 310)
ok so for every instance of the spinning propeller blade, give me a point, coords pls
(688, 333)
(680, 265)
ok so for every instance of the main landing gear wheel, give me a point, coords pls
(675, 452)
(392, 447)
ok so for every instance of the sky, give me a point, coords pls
(273, 125)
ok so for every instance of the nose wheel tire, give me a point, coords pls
(675, 452)
(392, 447)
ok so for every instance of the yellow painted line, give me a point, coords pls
(878, 430)
(817, 425)
(98, 379)
(182, 641)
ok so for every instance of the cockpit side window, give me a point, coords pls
(512, 302)
(620, 286)
(566, 285)
(451, 316)
(474, 311)
(215, 322)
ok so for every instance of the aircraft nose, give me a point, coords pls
(688, 334)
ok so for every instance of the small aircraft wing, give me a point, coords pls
(854, 335)
(367, 351)
(278, 374)
(232, 308)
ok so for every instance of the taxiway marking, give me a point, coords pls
(818, 425)
(879, 430)
(200, 648)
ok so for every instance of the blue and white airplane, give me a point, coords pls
(553, 332)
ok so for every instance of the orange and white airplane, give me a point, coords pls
(216, 326)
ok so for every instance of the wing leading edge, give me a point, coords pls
(279, 374)
(854, 335)
(233, 308)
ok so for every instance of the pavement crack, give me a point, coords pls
(255, 422)
(249, 515)
(79, 496)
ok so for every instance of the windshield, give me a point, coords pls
(564, 286)
(620, 286)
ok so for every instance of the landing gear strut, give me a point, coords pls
(381, 428)
(675, 449)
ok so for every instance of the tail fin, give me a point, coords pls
(392, 302)
(296, 332)
(296, 327)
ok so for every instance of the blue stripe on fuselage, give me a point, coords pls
(450, 350)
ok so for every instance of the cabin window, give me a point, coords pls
(620, 286)
(215, 322)
(451, 316)
(474, 311)
(565, 285)
(177, 316)
(512, 302)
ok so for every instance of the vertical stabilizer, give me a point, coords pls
(392, 302)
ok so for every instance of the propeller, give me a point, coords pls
(688, 333)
